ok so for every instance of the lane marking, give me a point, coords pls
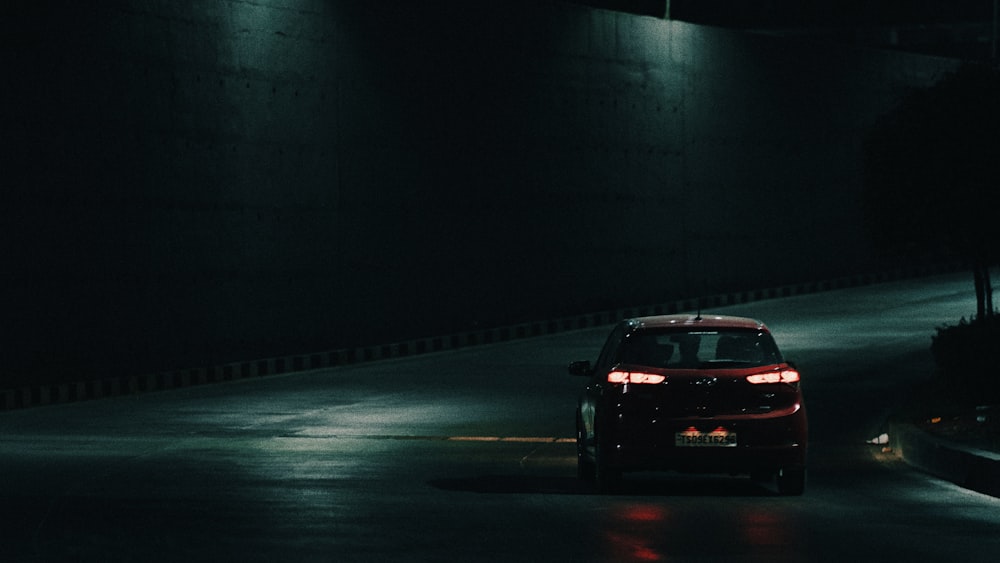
(518, 439)
(507, 439)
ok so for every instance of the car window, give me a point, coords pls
(700, 349)
(609, 353)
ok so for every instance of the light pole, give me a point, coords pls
(993, 50)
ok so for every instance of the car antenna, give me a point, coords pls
(700, 299)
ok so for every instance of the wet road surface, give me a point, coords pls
(466, 455)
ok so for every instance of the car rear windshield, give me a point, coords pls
(703, 349)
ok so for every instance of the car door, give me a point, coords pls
(598, 383)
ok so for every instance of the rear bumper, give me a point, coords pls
(705, 460)
(762, 445)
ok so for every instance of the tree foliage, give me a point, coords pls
(931, 172)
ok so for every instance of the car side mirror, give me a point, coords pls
(581, 367)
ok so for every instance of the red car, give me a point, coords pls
(708, 394)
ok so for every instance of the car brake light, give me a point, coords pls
(783, 376)
(635, 377)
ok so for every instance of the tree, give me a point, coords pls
(931, 172)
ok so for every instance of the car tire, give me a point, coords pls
(607, 479)
(584, 466)
(791, 481)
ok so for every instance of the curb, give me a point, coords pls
(969, 468)
(58, 393)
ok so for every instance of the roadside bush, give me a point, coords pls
(964, 353)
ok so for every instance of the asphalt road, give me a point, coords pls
(466, 456)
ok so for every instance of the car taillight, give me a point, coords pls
(783, 376)
(635, 377)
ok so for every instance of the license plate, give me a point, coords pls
(718, 438)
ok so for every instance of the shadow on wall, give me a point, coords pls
(196, 186)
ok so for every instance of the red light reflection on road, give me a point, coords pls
(632, 527)
(645, 532)
(764, 528)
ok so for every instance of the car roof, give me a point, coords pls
(696, 321)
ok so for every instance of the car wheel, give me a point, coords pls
(606, 479)
(792, 482)
(584, 467)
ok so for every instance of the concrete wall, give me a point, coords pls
(195, 183)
